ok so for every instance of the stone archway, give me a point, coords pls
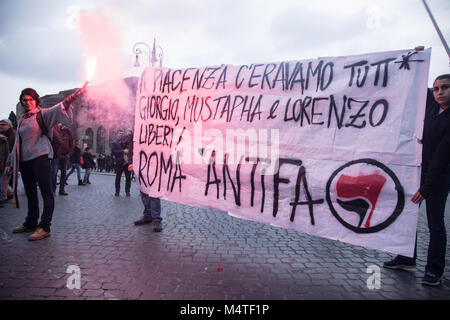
(101, 140)
(88, 139)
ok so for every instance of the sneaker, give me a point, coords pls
(22, 229)
(157, 226)
(142, 221)
(39, 234)
(430, 279)
(63, 193)
(395, 264)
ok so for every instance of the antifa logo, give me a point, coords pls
(356, 199)
(361, 194)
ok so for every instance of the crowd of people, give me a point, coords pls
(32, 152)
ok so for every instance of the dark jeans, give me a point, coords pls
(37, 172)
(77, 167)
(435, 205)
(119, 170)
(59, 163)
(152, 207)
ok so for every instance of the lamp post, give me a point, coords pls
(154, 54)
(444, 43)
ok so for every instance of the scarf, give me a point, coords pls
(16, 156)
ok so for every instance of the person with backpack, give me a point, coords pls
(62, 148)
(88, 164)
(31, 155)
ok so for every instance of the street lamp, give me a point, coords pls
(154, 54)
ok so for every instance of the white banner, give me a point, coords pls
(325, 146)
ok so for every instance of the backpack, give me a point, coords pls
(64, 138)
(54, 142)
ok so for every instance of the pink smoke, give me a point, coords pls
(109, 100)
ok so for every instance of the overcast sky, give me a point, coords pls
(41, 46)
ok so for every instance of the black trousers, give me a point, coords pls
(438, 237)
(37, 172)
(119, 170)
(435, 205)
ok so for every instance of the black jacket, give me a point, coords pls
(435, 142)
(88, 160)
(75, 156)
(117, 150)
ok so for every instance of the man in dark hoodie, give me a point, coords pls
(120, 149)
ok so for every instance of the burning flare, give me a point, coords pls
(90, 68)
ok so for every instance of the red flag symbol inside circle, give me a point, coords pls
(359, 186)
(366, 187)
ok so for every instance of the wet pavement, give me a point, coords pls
(93, 236)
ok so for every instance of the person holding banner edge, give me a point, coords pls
(152, 206)
(435, 181)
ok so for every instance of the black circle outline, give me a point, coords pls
(400, 197)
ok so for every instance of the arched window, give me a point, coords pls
(89, 138)
(101, 140)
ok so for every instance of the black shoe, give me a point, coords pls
(430, 279)
(395, 264)
(80, 183)
(142, 221)
(128, 194)
(63, 193)
(22, 229)
(157, 227)
(116, 194)
(88, 182)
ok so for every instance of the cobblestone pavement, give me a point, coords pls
(94, 230)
